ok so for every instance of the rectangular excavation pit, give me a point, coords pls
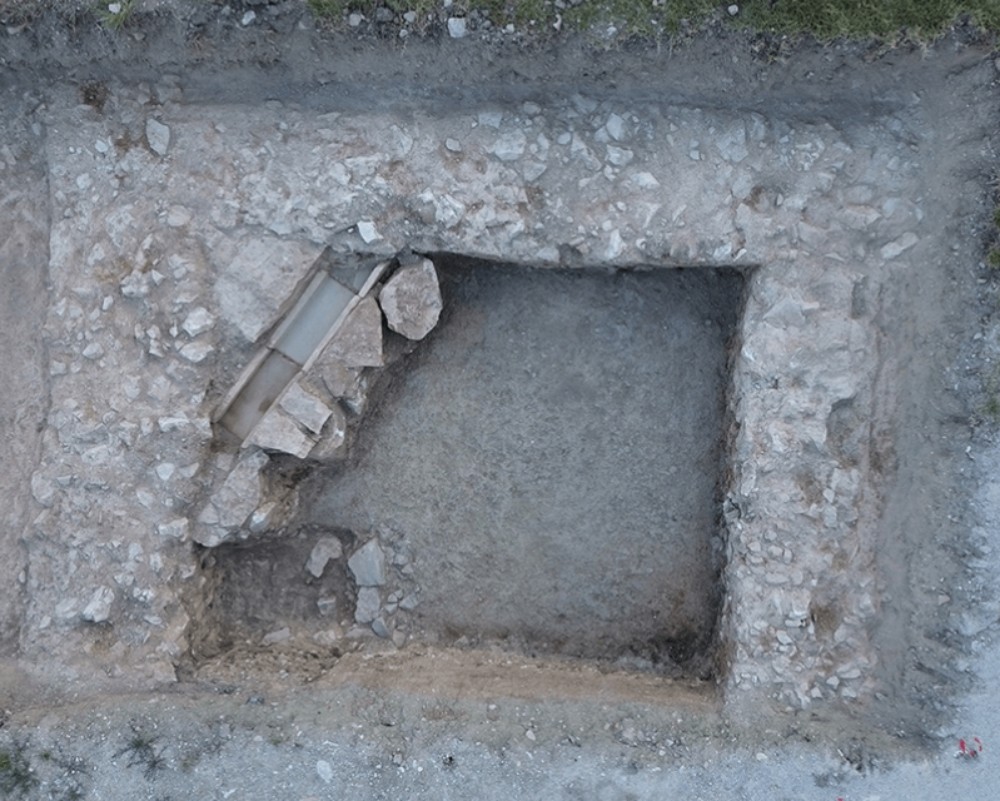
(543, 472)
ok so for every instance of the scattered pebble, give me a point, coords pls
(158, 136)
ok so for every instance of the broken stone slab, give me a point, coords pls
(367, 564)
(279, 431)
(325, 550)
(331, 373)
(98, 608)
(230, 506)
(358, 342)
(333, 438)
(306, 407)
(368, 605)
(411, 300)
(259, 277)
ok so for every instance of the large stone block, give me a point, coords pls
(411, 301)
(258, 278)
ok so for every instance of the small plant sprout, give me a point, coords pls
(116, 13)
(16, 774)
(970, 749)
(142, 752)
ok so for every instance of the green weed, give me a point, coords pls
(917, 20)
(142, 752)
(991, 409)
(920, 20)
(16, 775)
(333, 11)
(116, 13)
(328, 9)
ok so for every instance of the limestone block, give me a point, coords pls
(98, 609)
(158, 136)
(278, 431)
(411, 301)
(332, 442)
(330, 372)
(358, 343)
(325, 550)
(367, 564)
(367, 608)
(228, 509)
(305, 407)
(258, 278)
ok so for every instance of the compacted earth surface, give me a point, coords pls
(491, 415)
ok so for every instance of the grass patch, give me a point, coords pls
(990, 410)
(831, 19)
(116, 13)
(16, 776)
(652, 18)
(142, 752)
(895, 20)
(328, 9)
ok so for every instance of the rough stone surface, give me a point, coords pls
(258, 277)
(369, 602)
(367, 564)
(330, 374)
(234, 501)
(332, 443)
(98, 609)
(198, 321)
(305, 407)
(176, 529)
(157, 136)
(358, 342)
(411, 300)
(279, 431)
(323, 551)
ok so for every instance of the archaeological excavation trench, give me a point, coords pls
(543, 471)
(642, 386)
